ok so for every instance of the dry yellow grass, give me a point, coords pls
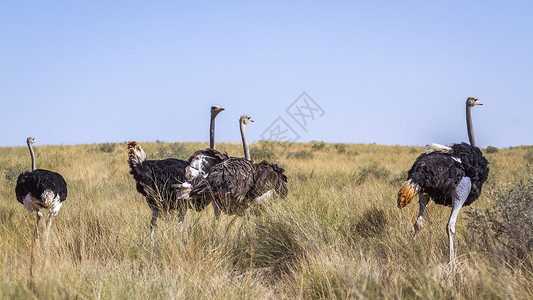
(337, 235)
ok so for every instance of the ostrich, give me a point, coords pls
(201, 161)
(159, 181)
(451, 176)
(41, 189)
(236, 183)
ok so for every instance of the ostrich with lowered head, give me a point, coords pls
(451, 176)
(40, 189)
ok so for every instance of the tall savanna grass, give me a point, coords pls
(337, 235)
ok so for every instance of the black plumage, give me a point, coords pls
(40, 189)
(269, 176)
(227, 184)
(237, 183)
(37, 182)
(200, 164)
(159, 181)
(451, 176)
(438, 173)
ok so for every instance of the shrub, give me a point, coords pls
(107, 147)
(413, 150)
(491, 149)
(12, 172)
(303, 154)
(258, 154)
(341, 148)
(506, 228)
(315, 145)
(529, 156)
(171, 150)
(371, 171)
(264, 151)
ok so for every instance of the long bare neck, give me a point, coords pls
(245, 142)
(212, 132)
(470, 126)
(32, 157)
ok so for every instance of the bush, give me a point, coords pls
(371, 171)
(12, 172)
(414, 150)
(506, 228)
(529, 156)
(303, 154)
(264, 151)
(341, 148)
(171, 150)
(107, 147)
(315, 145)
(491, 149)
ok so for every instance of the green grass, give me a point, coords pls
(337, 235)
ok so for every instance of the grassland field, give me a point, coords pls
(337, 235)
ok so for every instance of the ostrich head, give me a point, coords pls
(215, 109)
(136, 153)
(245, 119)
(473, 101)
(30, 140)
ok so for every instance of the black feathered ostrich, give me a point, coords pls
(162, 181)
(450, 176)
(236, 183)
(158, 181)
(40, 189)
(201, 162)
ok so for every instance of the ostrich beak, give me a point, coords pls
(479, 102)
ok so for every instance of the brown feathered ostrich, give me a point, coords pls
(451, 176)
(236, 183)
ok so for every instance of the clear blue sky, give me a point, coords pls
(393, 72)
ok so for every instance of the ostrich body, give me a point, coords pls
(236, 183)
(40, 189)
(166, 183)
(451, 176)
(159, 181)
(201, 162)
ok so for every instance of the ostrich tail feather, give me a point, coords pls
(406, 194)
(434, 147)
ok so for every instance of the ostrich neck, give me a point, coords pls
(212, 133)
(32, 157)
(470, 126)
(245, 142)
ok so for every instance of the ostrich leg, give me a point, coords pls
(459, 197)
(181, 216)
(47, 234)
(422, 202)
(153, 222)
(216, 210)
(36, 233)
